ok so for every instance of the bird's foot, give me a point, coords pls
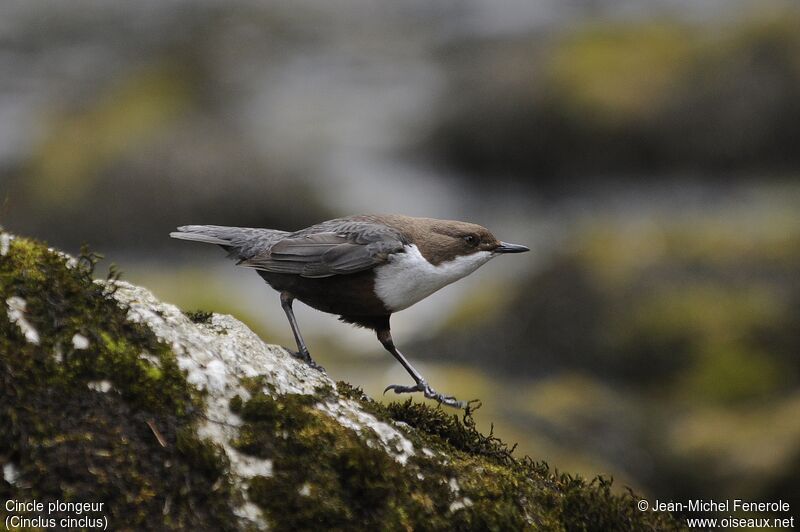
(429, 393)
(305, 356)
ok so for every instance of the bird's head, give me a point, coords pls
(445, 240)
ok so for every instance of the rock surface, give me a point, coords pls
(189, 421)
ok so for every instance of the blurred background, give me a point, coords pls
(647, 151)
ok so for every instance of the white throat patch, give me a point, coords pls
(408, 277)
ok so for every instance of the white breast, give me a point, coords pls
(408, 277)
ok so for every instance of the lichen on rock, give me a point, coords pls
(180, 421)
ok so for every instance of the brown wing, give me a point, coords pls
(326, 254)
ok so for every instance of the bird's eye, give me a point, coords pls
(472, 240)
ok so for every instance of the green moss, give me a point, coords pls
(328, 477)
(204, 456)
(135, 447)
(199, 316)
(324, 475)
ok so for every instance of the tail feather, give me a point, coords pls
(241, 242)
(185, 233)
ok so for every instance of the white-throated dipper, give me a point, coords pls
(363, 268)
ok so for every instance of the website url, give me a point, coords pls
(740, 522)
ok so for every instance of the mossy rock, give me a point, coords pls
(191, 422)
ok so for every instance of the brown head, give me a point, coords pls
(443, 240)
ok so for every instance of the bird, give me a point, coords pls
(363, 268)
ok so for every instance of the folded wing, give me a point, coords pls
(326, 254)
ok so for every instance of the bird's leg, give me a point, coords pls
(302, 351)
(385, 337)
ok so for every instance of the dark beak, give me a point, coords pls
(505, 247)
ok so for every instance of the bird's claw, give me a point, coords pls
(399, 388)
(428, 392)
